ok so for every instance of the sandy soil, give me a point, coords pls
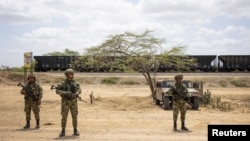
(118, 113)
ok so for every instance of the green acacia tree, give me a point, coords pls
(139, 52)
(66, 52)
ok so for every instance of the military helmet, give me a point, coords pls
(31, 76)
(68, 71)
(178, 76)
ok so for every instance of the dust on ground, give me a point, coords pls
(119, 112)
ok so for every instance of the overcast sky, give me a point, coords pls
(211, 27)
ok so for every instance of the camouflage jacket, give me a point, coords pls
(33, 89)
(68, 89)
(181, 88)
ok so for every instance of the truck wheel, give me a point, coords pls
(195, 102)
(165, 103)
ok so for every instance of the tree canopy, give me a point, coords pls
(139, 52)
(66, 52)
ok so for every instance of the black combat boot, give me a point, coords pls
(183, 127)
(76, 132)
(175, 126)
(37, 123)
(27, 124)
(62, 132)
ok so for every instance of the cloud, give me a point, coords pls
(206, 27)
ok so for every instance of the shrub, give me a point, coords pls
(223, 83)
(110, 80)
(129, 82)
(238, 83)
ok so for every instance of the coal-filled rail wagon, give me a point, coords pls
(52, 63)
(229, 63)
(205, 63)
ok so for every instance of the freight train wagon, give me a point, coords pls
(205, 63)
(52, 63)
(229, 63)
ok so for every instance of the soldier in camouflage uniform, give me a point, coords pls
(32, 103)
(179, 101)
(69, 90)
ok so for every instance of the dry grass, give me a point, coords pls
(120, 111)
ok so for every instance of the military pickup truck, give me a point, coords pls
(161, 95)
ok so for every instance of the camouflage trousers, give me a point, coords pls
(66, 106)
(31, 105)
(179, 106)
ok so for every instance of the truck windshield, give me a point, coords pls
(187, 84)
(165, 84)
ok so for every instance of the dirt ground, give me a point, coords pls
(119, 112)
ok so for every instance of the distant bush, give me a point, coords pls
(15, 76)
(223, 83)
(110, 80)
(129, 82)
(238, 83)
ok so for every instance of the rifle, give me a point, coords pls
(68, 93)
(34, 98)
(178, 93)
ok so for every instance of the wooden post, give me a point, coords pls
(91, 97)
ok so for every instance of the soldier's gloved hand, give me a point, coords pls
(39, 102)
(23, 92)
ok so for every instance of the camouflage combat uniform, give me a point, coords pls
(69, 90)
(179, 102)
(30, 103)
